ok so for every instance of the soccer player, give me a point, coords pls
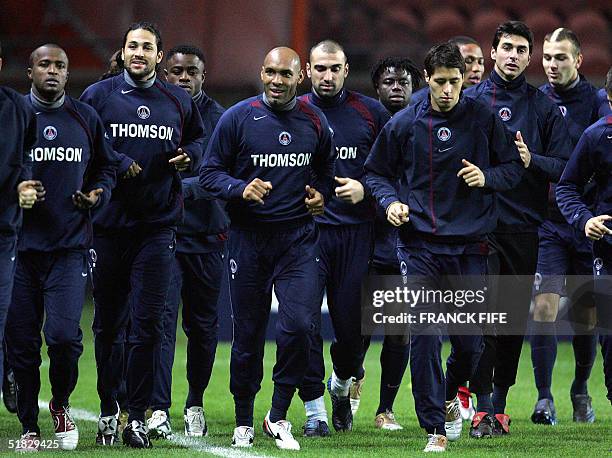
(18, 190)
(591, 161)
(347, 236)
(197, 269)
(474, 65)
(544, 146)
(272, 158)
(602, 98)
(393, 79)
(78, 167)
(563, 251)
(449, 152)
(158, 131)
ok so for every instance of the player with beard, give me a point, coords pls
(156, 128)
(347, 237)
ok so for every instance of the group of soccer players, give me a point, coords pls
(149, 187)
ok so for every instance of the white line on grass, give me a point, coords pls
(181, 440)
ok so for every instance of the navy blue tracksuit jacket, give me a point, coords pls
(274, 244)
(18, 130)
(440, 203)
(523, 107)
(146, 125)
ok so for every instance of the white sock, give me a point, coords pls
(315, 409)
(340, 387)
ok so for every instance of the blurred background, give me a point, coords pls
(235, 35)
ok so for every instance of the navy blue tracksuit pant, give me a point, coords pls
(346, 251)
(425, 269)
(196, 278)
(602, 270)
(49, 287)
(8, 262)
(131, 277)
(286, 259)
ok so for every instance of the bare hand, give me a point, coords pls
(523, 150)
(30, 192)
(314, 201)
(256, 190)
(350, 191)
(133, 170)
(181, 161)
(472, 175)
(86, 201)
(397, 213)
(595, 229)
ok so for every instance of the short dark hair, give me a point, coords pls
(327, 46)
(186, 49)
(149, 26)
(609, 81)
(444, 55)
(460, 40)
(399, 63)
(46, 45)
(561, 34)
(513, 28)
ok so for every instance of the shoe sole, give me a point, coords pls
(391, 427)
(68, 440)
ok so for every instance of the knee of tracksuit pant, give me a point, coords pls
(146, 331)
(465, 354)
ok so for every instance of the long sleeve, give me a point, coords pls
(102, 172)
(506, 168)
(218, 160)
(323, 164)
(570, 189)
(557, 146)
(382, 165)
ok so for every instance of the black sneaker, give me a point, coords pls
(482, 426)
(316, 428)
(136, 435)
(342, 417)
(583, 409)
(9, 392)
(544, 412)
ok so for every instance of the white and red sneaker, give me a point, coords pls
(66, 431)
(466, 405)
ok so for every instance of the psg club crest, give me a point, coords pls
(50, 132)
(563, 110)
(143, 112)
(284, 138)
(444, 134)
(505, 113)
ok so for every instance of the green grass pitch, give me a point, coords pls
(526, 439)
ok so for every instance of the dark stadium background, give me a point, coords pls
(235, 36)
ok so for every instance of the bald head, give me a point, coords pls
(280, 74)
(285, 57)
